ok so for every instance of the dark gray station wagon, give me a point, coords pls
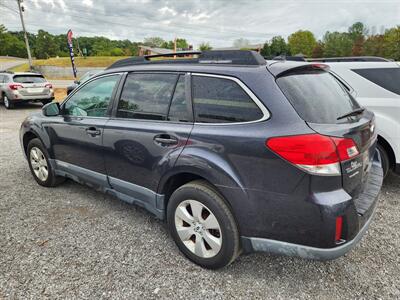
(237, 154)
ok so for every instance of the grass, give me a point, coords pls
(91, 61)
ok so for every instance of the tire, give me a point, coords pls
(385, 160)
(210, 248)
(39, 162)
(7, 103)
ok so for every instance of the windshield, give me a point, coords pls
(317, 96)
(29, 79)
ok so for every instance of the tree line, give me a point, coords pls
(355, 42)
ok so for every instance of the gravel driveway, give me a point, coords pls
(74, 242)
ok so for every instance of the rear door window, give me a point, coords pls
(387, 78)
(220, 100)
(146, 96)
(29, 79)
(317, 96)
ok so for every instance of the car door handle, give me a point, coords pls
(165, 140)
(93, 131)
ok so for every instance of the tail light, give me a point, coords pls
(314, 153)
(15, 86)
(49, 85)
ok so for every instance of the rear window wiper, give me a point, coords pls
(352, 113)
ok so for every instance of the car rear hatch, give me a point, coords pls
(32, 85)
(329, 109)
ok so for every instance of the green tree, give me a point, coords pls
(318, 50)
(204, 46)
(278, 46)
(45, 45)
(302, 42)
(10, 44)
(266, 50)
(357, 31)
(391, 42)
(374, 45)
(337, 44)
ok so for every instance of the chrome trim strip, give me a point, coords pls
(261, 106)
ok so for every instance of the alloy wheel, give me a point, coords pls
(198, 228)
(39, 164)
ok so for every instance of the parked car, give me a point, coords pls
(376, 86)
(237, 155)
(24, 87)
(84, 78)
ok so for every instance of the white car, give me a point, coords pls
(376, 86)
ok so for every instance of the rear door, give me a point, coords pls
(150, 126)
(322, 101)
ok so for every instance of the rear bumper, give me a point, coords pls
(17, 97)
(288, 249)
(369, 195)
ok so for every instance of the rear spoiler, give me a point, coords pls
(280, 68)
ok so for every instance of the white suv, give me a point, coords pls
(376, 86)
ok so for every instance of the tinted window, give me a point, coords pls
(317, 96)
(388, 78)
(146, 96)
(219, 100)
(29, 79)
(179, 109)
(93, 98)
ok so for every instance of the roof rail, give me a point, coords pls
(290, 58)
(220, 57)
(349, 59)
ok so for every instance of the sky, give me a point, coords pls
(219, 22)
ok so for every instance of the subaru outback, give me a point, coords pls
(24, 87)
(236, 154)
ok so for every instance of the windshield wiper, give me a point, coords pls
(352, 113)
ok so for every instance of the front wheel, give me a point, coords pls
(202, 225)
(39, 164)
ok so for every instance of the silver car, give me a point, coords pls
(24, 87)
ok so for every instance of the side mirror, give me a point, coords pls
(51, 109)
(77, 82)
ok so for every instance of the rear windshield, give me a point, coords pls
(317, 96)
(388, 78)
(29, 78)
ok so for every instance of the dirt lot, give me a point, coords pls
(73, 242)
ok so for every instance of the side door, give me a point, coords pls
(76, 134)
(150, 126)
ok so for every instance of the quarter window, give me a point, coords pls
(93, 98)
(220, 100)
(146, 96)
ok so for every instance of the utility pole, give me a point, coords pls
(28, 49)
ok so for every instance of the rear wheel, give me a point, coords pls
(7, 103)
(385, 160)
(202, 225)
(39, 165)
